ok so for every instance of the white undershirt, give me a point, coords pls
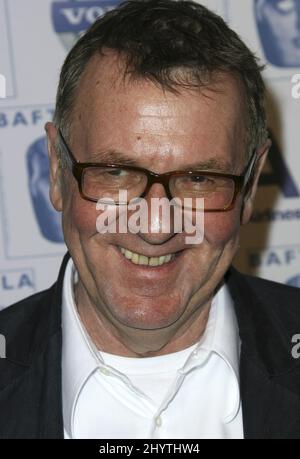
(193, 393)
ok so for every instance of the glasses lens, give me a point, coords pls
(216, 192)
(107, 182)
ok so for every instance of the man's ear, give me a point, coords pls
(248, 199)
(55, 167)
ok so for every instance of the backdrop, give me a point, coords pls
(35, 37)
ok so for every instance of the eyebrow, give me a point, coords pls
(212, 164)
(112, 156)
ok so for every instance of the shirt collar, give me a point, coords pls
(221, 333)
(221, 337)
(80, 357)
(225, 342)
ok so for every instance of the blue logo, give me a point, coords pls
(71, 18)
(278, 23)
(48, 219)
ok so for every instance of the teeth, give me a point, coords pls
(139, 259)
(128, 254)
(135, 258)
(143, 260)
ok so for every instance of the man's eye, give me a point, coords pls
(199, 178)
(202, 180)
(117, 172)
(106, 174)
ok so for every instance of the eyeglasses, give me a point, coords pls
(101, 181)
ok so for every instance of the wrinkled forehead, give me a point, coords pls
(111, 110)
(105, 83)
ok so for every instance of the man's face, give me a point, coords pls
(161, 132)
(279, 28)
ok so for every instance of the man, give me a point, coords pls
(145, 334)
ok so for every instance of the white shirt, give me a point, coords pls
(193, 393)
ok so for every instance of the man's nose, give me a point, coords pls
(160, 216)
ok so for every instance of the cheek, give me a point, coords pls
(79, 216)
(220, 228)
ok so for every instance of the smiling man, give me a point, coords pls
(146, 335)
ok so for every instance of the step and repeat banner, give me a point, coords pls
(35, 37)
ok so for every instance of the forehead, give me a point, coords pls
(111, 111)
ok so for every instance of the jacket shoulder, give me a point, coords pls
(273, 294)
(268, 316)
(28, 324)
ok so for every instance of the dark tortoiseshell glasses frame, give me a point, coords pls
(241, 182)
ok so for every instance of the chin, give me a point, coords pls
(147, 315)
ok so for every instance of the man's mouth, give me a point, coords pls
(140, 259)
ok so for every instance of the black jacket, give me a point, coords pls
(268, 315)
